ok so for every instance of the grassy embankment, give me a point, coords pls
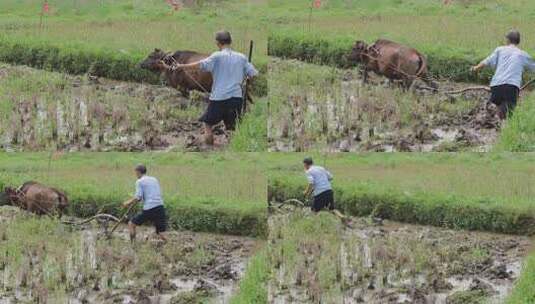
(222, 193)
(109, 39)
(491, 192)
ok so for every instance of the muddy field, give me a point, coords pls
(340, 113)
(388, 262)
(45, 109)
(42, 261)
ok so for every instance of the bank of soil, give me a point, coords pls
(347, 115)
(86, 113)
(190, 268)
(388, 262)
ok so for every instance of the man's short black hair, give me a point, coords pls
(141, 169)
(223, 37)
(308, 161)
(513, 37)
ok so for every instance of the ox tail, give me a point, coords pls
(422, 71)
(424, 74)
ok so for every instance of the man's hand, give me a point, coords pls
(308, 190)
(129, 202)
(477, 68)
(177, 66)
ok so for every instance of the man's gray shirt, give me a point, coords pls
(228, 69)
(509, 62)
(148, 191)
(319, 178)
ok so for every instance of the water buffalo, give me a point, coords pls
(37, 198)
(185, 81)
(392, 60)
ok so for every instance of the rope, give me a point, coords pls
(95, 217)
(185, 72)
(454, 92)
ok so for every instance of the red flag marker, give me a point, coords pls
(46, 7)
(317, 3)
(173, 3)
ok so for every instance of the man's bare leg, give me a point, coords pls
(208, 134)
(132, 230)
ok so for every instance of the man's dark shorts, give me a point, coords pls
(505, 97)
(155, 215)
(228, 111)
(323, 200)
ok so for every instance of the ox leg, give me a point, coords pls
(184, 92)
(132, 231)
(365, 76)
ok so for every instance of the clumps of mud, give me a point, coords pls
(42, 261)
(388, 262)
(76, 113)
(345, 115)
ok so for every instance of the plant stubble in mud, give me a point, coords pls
(389, 262)
(331, 110)
(42, 110)
(45, 262)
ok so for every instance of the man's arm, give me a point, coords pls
(492, 61)
(206, 64)
(250, 70)
(308, 190)
(310, 186)
(530, 63)
(189, 66)
(129, 202)
(329, 175)
(138, 196)
(478, 67)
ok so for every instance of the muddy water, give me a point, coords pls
(85, 113)
(390, 262)
(189, 268)
(351, 116)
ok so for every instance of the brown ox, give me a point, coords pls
(37, 198)
(181, 79)
(160, 61)
(392, 60)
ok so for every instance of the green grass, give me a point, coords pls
(469, 191)
(251, 132)
(253, 287)
(518, 134)
(523, 293)
(204, 192)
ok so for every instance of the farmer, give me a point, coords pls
(319, 184)
(148, 191)
(228, 69)
(509, 61)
